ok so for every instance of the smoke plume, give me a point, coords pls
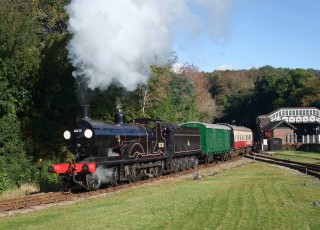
(118, 40)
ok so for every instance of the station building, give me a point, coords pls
(290, 125)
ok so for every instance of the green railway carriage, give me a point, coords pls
(215, 139)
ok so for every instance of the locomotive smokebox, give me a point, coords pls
(120, 118)
(85, 111)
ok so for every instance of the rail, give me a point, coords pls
(310, 169)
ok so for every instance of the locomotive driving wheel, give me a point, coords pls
(135, 173)
(158, 171)
(93, 181)
(174, 166)
(183, 164)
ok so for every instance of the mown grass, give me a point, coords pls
(300, 156)
(253, 196)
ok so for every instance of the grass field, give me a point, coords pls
(308, 157)
(253, 196)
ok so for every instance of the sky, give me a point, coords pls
(118, 40)
(255, 33)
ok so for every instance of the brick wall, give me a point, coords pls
(282, 133)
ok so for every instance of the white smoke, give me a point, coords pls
(120, 39)
(104, 174)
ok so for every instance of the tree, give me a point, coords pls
(19, 62)
(52, 17)
(204, 103)
(55, 103)
(171, 97)
(225, 85)
(13, 160)
(272, 92)
(19, 53)
(309, 94)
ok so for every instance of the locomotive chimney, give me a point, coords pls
(120, 118)
(85, 111)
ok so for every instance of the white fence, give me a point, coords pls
(309, 139)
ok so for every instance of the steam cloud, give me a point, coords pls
(120, 39)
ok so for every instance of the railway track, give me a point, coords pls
(310, 169)
(58, 197)
(304, 157)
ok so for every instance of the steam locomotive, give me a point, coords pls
(107, 154)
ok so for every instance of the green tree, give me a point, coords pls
(55, 103)
(19, 62)
(13, 160)
(309, 94)
(272, 92)
(19, 53)
(172, 97)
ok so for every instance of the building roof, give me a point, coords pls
(291, 108)
(275, 124)
(263, 120)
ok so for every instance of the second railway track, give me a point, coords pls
(310, 169)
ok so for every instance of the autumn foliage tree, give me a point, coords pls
(206, 106)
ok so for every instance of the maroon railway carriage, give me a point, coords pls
(241, 139)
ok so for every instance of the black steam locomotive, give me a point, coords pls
(111, 153)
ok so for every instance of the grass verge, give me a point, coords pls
(253, 196)
(23, 190)
(300, 156)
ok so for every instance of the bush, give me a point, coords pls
(49, 181)
(5, 181)
(15, 167)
